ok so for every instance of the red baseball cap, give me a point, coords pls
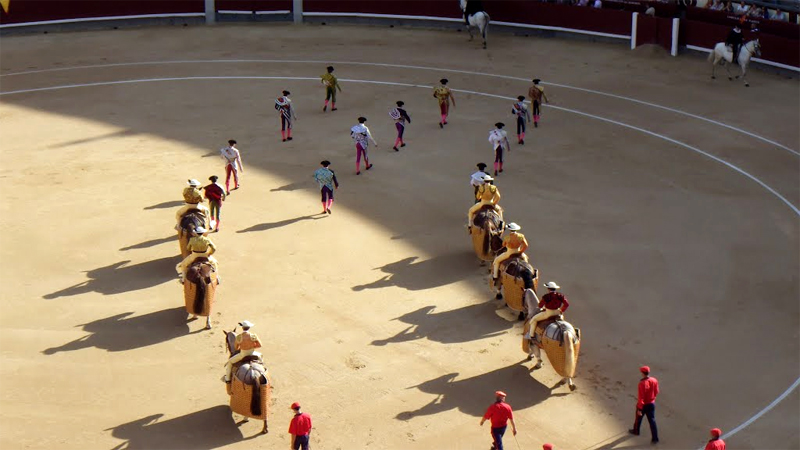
(644, 369)
(295, 405)
(547, 447)
(716, 432)
(500, 394)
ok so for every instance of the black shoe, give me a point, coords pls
(358, 173)
(324, 108)
(522, 142)
(536, 125)
(329, 210)
(441, 125)
(283, 140)
(495, 173)
(289, 138)
(633, 432)
(369, 167)
(501, 170)
(403, 144)
(334, 109)
(395, 149)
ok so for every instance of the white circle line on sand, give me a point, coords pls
(390, 83)
(404, 66)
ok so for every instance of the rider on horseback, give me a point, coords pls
(554, 304)
(488, 194)
(194, 200)
(515, 244)
(734, 41)
(201, 247)
(246, 343)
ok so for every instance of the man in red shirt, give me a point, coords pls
(553, 303)
(499, 414)
(299, 428)
(215, 194)
(715, 443)
(646, 404)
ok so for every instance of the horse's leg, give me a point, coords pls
(743, 68)
(572, 386)
(469, 29)
(714, 67)
(208, 321)
(265, 430)
(728, 70)
(484, 29)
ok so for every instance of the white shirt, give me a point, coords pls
(477, 178)
(498, 138)
(360, 133)
(231, 156)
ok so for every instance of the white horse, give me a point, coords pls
(479, 20)
(722, 53)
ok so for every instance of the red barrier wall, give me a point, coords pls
(20, 11)
(253, 5)
(437, 8)
(654, 30)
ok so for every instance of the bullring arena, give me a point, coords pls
(665, 204)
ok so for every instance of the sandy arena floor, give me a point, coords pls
(378, 318)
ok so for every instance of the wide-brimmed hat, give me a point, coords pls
(552, 285)
(193, 183)
(200, 230)
(499, 124)
(246, 324)
(487, 177)
(536, 81)
(513, 227)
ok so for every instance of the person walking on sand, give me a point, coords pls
(233, 165)
(284, 106)
(300, 428)
(716, 442)
(536, 93)
(361, 135)
(499, 414)
(327, 184)
(215, 194)
(520, 110)
(646, 404)
(444, 97)
(499, 140)
(331, 85)
(400, 117)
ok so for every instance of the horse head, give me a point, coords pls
(230, 340)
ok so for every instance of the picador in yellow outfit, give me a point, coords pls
(515, 244)
(247, 343)
(201, 247)
(487, 194)
(194, 200)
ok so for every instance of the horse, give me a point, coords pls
(200, 289)
(188, 223)
(516, 276)
(475, 19)
(722, 54)
(487, 227)
(250, 388)
(561, 342)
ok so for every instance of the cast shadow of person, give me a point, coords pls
(120, 333)
(150, 243)
(281, 223)
(438, 271)
(448, 327)
(202, 430)
(120, 277)
(473, 395)
(166, 205)
(305, 185)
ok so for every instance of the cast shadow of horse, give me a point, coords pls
(523, 390)
(150, 243)
(167, 205)
(119, 333)
(282, 223)
(306, 185)
(119, 277)
(430, 273)
(202, 430)
(465, 324)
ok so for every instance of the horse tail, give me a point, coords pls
(487, 238)
(255, 398)
(199, 295)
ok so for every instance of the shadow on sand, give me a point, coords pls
(469, 323)
(166, 205)
(306, 184)
(150, 243)
(282, 223)
(118, 333)
(438, 271)
(118, 278)
(472, 396)
(202, 430)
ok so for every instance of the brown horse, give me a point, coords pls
(200, 289)
(250, 388)
(560, 341)
(516, 275)
(486, 231)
